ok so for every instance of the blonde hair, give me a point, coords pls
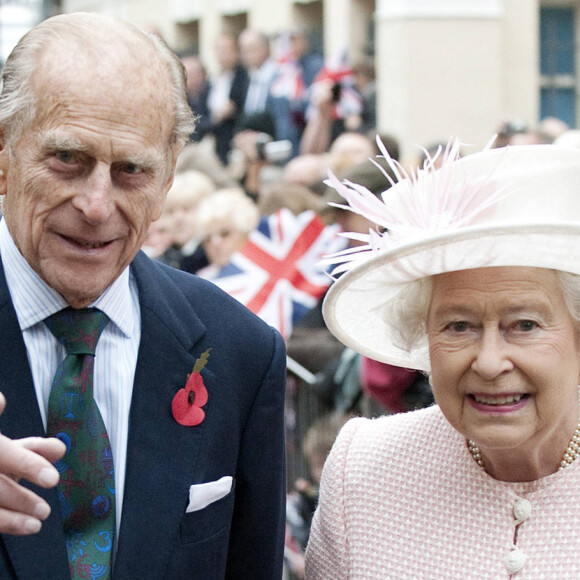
(230, 205)
(188, 189)
(293, 196)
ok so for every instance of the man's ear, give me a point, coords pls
(158, 210)
(175, 150)
(3, 163)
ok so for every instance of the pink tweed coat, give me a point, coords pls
(401, 498)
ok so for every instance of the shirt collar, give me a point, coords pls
(266, 70)
(34, 300)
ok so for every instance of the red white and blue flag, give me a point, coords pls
(337, 70)
(277, 274)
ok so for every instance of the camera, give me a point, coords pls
(273, 151)
(335, 91)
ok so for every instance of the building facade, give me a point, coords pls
(18, 16)
(444, 67)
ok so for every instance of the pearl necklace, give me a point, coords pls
(571, 453)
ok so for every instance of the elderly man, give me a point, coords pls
(255, 56)
(265, 105)
(172, 424)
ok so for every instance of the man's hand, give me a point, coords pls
(21, 510)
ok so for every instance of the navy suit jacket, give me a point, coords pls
(242, 435)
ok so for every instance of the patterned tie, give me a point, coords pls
(86, 492)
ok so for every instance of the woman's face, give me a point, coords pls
(182, 221)
(221, 241)
(505, 358)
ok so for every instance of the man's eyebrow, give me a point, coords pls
(145, 161)
(55, 142)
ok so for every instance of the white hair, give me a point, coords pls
(188, 189)
(230, 205)
(570, 284)
(406, 316)
(18, 99)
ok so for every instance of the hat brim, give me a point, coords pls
(354, 306)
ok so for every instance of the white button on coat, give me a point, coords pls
(515, 561)
(522, 509)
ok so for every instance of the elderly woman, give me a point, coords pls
(472, 277)
(224, 220)
(185, 253)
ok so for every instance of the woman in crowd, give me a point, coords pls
(472, 277)
(223, 221)
(188, 189)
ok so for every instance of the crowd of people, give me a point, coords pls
(257, 150)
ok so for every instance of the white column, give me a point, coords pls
(440, 70)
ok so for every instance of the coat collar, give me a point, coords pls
(161, 454)
(22, 419)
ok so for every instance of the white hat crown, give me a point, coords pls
(515, 206)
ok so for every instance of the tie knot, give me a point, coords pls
(78, 330)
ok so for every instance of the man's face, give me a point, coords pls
(226, 51)
(86, 178)
(299, 45)
(253, 50)
(195, 74)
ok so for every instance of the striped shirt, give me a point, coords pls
(116, 354)
(261, 80)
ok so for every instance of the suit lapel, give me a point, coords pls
(31, 556)
(161, 454)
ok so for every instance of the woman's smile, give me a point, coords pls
(498, 403)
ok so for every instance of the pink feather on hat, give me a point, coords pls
(433, 201)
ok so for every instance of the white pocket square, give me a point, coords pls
(203, 494)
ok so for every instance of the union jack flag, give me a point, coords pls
(277, 273)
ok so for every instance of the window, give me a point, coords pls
(558, 64)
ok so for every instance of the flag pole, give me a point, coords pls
(300, 371)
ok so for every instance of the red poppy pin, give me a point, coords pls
(188, 402)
